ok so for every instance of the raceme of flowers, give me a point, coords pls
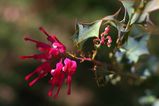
(64, 70)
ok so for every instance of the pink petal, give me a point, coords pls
(58, 69)
(67, 61)
(54, 52)
(74, 65)
(70, 66)
(59, 46)
(107, 29)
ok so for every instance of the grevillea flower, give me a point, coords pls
(60, 73)
(57, 79)
(69, 68)
(104, 37)
(48, 50)
(51, 51)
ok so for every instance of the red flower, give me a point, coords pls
(54, 41)
(106, 31)
(59, 73)
(41, 70)
(57, 79)
(69, 68)
(48, 50)
(109, 41)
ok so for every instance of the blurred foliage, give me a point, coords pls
(19, 18)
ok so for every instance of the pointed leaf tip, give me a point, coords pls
(85, 31)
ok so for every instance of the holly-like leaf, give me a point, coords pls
(89, 30)
(85, 31)
(150, 6)
(135, 46)
(138, 11)
(119, 25)
(128, 5)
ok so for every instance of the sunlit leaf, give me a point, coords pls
(138, 10)
(128, 4)
(151, 6)
(89, 30)
(85, 31)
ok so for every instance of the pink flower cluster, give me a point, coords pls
(59, 73)
(104, 37)
(64, 70)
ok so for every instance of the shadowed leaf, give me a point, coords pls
(135, 46)
(147, 66)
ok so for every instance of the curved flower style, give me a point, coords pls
(69, 68)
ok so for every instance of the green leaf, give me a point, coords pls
(119, 25)
(89, 30)
(128, 5)
(150, 6)
(85, 31)
(135, 46)
(138, 11)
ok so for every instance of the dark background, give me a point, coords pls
(20, 18)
